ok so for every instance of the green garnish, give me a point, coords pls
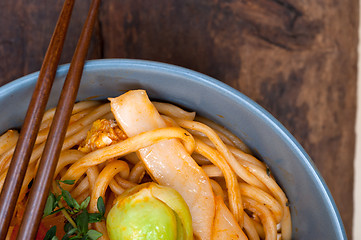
(50, 235)
(69, 182)
(76, 225)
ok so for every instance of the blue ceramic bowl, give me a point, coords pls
(314, 213)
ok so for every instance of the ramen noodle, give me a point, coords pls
(111, 147)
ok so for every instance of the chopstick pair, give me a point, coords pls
(23, 150)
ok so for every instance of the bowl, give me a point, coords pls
(314, 213)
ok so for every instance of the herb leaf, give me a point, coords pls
(50, 205)
(70, 200)
(69, 182)
(68, 227)
(85, 203)
(93, 235)
(95, 217)
(50, 234)
(82, 221)
(75, 238)
(69, 233)
(101, 206)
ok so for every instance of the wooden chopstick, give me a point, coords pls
(48, 161)
(23, 150)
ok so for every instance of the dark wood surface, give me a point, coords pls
(25, 144)
(297, 59)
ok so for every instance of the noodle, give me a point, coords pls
(43, 134)
(250, 228)
(137, 173)
(124, 183)
(173, 111)
(116, 188)
(222, 148)
(217, 189)
(92, 173)
(67, 157)
(8, 140)
(263, 198)
(234, 195)
(246, 196)
(236, 141)
(82, 187)
(78, 107)
(103, 180)
(212, 171)
(269, 224)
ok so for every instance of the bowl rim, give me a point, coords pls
(290, 140)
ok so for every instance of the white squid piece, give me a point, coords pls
(225, 225)
(167, 161)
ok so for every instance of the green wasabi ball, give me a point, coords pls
(150, 211)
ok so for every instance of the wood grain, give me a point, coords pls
(25, 144)
(295, 58)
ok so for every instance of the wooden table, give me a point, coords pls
(297, 59)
